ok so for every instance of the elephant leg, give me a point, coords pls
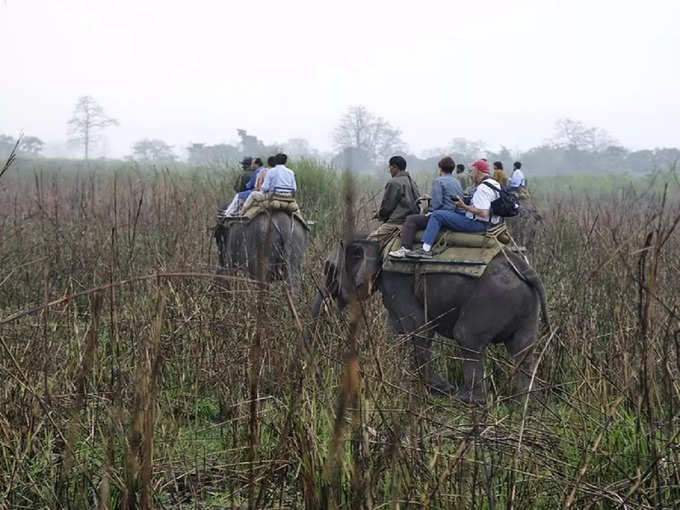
(521, 348)
(422, 355)
(474, 388)
(472, 340)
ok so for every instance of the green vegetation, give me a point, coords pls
(141, 392)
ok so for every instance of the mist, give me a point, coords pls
(188, 73)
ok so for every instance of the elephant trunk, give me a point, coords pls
(316, 305)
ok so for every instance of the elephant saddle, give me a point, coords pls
(453, 252)
(263, 203)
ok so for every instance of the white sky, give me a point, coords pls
(497, 70)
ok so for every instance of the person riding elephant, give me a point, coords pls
(499, 174)
(400, 199)
(245, 175)
(445, 189)
(475, 217)
(240, 197)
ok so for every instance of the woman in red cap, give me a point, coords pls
(476, 218)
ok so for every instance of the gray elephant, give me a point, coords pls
(526, 225)
(243, 244)
(500, 306)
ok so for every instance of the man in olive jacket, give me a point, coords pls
(400, 199)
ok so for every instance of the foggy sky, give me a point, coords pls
(194, 71)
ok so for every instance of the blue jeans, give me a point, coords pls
(453, 221)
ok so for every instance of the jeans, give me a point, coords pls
(453, 221)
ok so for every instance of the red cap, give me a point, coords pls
(481, 165)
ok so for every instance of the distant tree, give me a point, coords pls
(299, 148)
(353, 159)
(221, 154)
(31, 146)
(6, 144)
(368, 134)
(574, 134)
(152, 151)
(87, 122)
(466, 151)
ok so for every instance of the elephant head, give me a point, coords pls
(351, 269)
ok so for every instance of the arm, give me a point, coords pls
(389, 201)
(250, 185)
(483, 213)
(437, 201)
(481, 199)
(267, 184)
(260, 180)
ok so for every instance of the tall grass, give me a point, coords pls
(128, 383)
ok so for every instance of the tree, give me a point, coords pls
(221, 155)
(152, 151)
(299, 148)
(574, 134)
(464, 150)
(368, 134)
(31, 146)
(87, 122)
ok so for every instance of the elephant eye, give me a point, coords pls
(356, 252)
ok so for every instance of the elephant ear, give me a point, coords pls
(347, 270)
(332, 270)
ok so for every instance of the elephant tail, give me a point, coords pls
(535, 282)
(529, 275)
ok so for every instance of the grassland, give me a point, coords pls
(129, 382)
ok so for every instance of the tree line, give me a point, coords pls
(364, 141)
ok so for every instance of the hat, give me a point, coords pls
(481, 165)
(246, 161)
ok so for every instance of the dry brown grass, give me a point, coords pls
(129, 383)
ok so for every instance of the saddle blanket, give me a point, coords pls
(268, 203)
(453, 252)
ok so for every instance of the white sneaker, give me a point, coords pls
(400, 253)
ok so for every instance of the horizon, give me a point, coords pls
(181, 74)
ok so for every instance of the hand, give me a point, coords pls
(459, 203)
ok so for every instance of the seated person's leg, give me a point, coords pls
(434, 225)
(413, 223)
(233, 207)
(254, 195)
(460, 223)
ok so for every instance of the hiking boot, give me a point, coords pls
(419, 254)
(400, 253)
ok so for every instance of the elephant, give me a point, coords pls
(499, 306)
(242, 244)
(526, 224)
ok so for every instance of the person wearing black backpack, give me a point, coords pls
(477, 217)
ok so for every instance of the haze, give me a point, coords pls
(497, 71)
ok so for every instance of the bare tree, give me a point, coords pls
(152, 151)
(299, 148)
(87, 121)
(367, 134)
(574, 134)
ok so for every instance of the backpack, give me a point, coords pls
(506, 205)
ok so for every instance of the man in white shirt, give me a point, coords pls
(476, 218)
(517, 179)
(279, 178)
